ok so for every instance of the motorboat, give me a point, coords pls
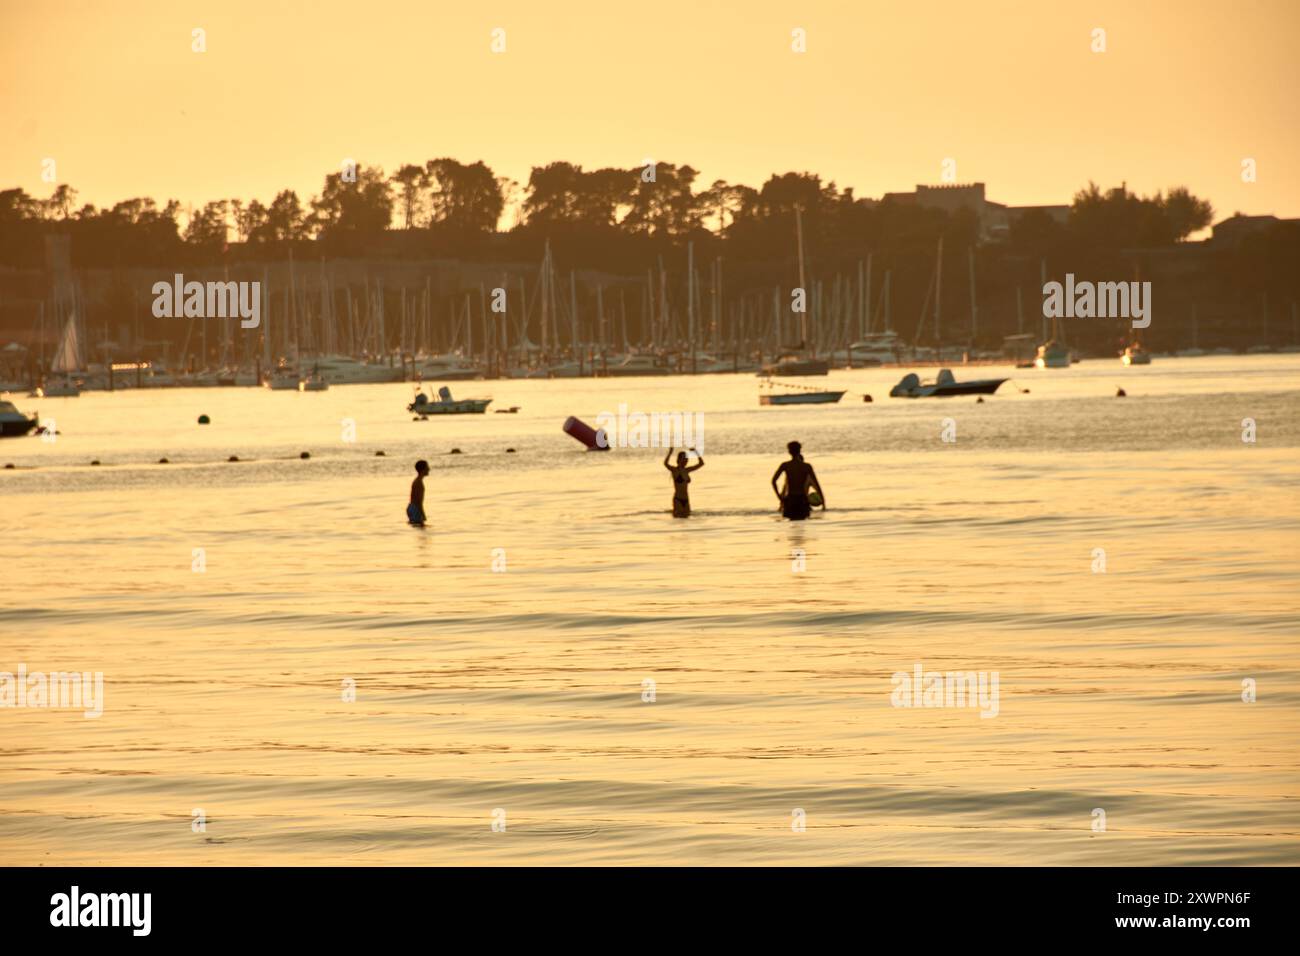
(1052, 354)
(444, 404)
(283, 380)
(638, 365)
(795, 364)
(1136, 355)
(568, 370)
(345, 370)
(13, 422)
(801, 397)
(875, 350)
(447, 368)
(944, 385)
(57, 388)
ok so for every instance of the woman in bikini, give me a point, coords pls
(681, 478)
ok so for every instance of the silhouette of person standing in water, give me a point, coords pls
(681, 479)
(799, 477)
(415, 510)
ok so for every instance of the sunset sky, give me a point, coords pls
(1011, 90)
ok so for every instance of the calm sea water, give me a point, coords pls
(516, 695)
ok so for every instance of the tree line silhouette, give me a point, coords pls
(623, 221)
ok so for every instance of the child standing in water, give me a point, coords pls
(681, 479)
(415, 510)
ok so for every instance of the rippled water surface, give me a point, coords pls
(771, 644)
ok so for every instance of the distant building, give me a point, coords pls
(995, 218)
(1235, 229)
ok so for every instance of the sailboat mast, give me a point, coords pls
(803, 316)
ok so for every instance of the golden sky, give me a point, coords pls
(885, 92)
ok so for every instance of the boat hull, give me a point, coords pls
(809, 398)
(14, 428)
(467, 406)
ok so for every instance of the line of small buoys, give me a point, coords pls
(512, 410)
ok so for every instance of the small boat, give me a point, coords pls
(314, 382)
(638, 364)
(809, 397)
(1052, 354)
(283, 379)
(944, 385)
(444, 404)
(793, 364)
(13, 422)
(1136, 355)
(59, 388)
(880, 348)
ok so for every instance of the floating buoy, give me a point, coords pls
(594, 439)
(163, 461)
(1120, 393)
(304, 455)
(456, 451)
(980, 400)
(509, 451)
(204, 420)
(379, 454)
(95, 462)
(9, 465)
(867, 398)
(233, 458)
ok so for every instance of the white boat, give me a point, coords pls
(444, 404)
(345, 370)
(796, 364)
(880, 348)
(67, 365)
(13, 422)
(568, 370)
(447, 368)
(283, 379)
(155, 375)
(1136, 355)
(1052, 354)
(527, 373)
(638, 365)
(57, 388)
